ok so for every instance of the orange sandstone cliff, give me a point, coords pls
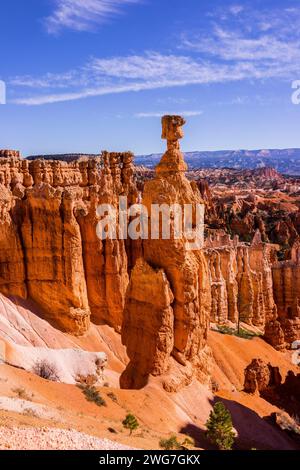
(160, 294)
(49, 249)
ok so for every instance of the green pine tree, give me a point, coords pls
(219, 427)
(131, 423)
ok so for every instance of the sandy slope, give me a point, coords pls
(53, 439)
(232, 355)
(30, 402)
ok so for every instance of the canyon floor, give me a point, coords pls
(40, 414)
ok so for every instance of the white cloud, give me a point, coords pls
(172, 100)
(176, 113)
(236, 9)
(233, 50)
(49, 80)
(121, 75)
(82, 15)
(233, 46)
(268, 40)
(151, 66)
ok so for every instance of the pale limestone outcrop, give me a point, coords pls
(69, 366)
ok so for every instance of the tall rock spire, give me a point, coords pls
(172, 132)
(184, 270)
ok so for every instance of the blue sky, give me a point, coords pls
(88, 75)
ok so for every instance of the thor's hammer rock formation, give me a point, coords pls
(173, 317)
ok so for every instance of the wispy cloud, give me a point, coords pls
(267, 39)
(163, 113)
(234, 46)
(127, 74)
(249, 46)
(236, 9)
(82, 15)
(120, 75)
(49, 80)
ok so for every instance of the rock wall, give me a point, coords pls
(265, 380)
(286, 279)
(260, 376)
(241, 280)
(148, 325)
(248, 283)
(159, 293)
(49, 249)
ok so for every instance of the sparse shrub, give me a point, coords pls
(92, 395)
(214, 386)
(220, 431)
(112, 396)
(240, 333)
(188, 442)
(21, 393)
(170, 444)
(30, 413)
(225, 330)
(296, 419)
(46, 371)
(131, 423)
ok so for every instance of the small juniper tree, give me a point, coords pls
(169, 444)
(131, 423)
(219, 427)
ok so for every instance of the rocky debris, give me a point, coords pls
(53, 439)
(286, 423)
(260, 377)
(186, 272)
(49, 249)
(28, 408)
(274, 335)
(264, 379)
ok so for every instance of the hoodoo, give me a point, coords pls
(158, 320)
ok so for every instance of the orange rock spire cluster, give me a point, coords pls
(160, 295)
(49, 250)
